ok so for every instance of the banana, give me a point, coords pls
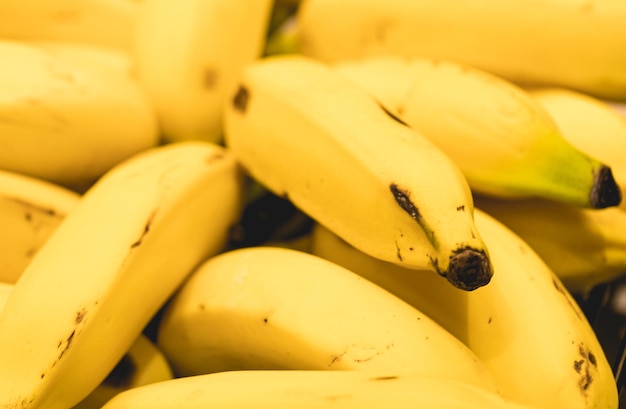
(592, 125)
(30, 210)
(502, 140)
(68, 120)
(109, 23)
(109, 267)
(276, 308)
(342, 159)
(584, 247)
(524, 326)
(143, 364)
(283, 389)
(571, 43)
(188, 56)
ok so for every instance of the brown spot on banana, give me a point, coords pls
(241, 99)
(146, 229)
(210, 77)
(584, 368)
(80, 316)
(402, 197)
(32, 207)
(393, 116)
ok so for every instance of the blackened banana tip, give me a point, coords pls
(605, 192)
(469, 269)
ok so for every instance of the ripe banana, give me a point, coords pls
(524, 326)
(113, 262)
(109, 23)
(502, 140)
(68, 120)
(143, 364)
(276, 308)
(30, 211)
(574, 43)
(341, 158)
(584, 247)
(592, 125)
(189, 54)
(282, 389)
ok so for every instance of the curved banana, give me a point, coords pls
(109, 23)
(571, 43)
(283, 389)
(584, 247)
(502, 140)
(276, 308)
(345, 161)
(189, 54)
(592, 125)
(524, 326)
(30, 211)
(108, 268)
(68, 120)
(143, 364)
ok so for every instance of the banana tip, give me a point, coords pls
(605, 191)
(469, 269)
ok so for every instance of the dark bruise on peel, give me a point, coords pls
(402, 197)
(605, 191)
(146, 229)
(392, 115)
(469, 269)
(241, 99)
(584, 367)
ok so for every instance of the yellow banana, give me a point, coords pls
(113, 262)
(346, 162)
(584, 247)
(277, 308)
(571, 43)
(524, 326)
(143, 364)
(593, 125)
(284, 389)
(30, 211)
(68, 120)
(109, 23)
(189, 54)
(502, 140)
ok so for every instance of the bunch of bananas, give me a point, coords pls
(309, 203)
